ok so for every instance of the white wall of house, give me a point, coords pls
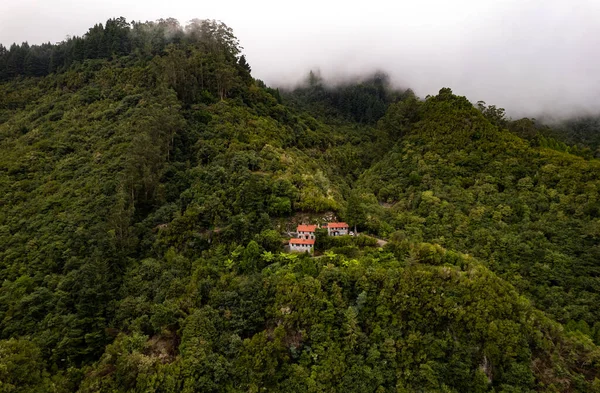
(306, 235)
(301, 247)
(337, 231)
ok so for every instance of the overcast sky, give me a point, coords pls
(528, 56)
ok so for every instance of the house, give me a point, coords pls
(305, 238)
(306, 231)
(302, 245)
(337, 229)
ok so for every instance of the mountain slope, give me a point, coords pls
(532, 213)
(147, 184)
(96, 157)
(430, 320)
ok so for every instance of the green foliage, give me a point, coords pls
(355, 210)
(580, 133)
(120, 38)
(362, 101)
(459, 181)
(22, 368)
(351, 324)
(146, 184)
(400, 116)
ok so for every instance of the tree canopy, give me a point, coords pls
(148, 185)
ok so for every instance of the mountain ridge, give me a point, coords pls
(140, 199)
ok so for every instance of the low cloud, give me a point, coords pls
(530, 57)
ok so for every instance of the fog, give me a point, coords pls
(530, 57)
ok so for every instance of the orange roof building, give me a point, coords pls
(302, 245)
(307, 228)
(337, 228)
(302, 241)
(305, 239)
(306, 231)
(337, 225)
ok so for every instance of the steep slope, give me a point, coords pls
(75, 164)
(427, 320)
(96, 159)
(142, 182)
(532, 213)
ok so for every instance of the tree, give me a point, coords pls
(21, 367)
(216, 36)
(400, 116)
(3, 59)
(251, 257)
(314, 78)
(117, 36)
(495, 115)
(355, 210)
(36, 62)
(244, 64)
(15, 62)
(321, 239)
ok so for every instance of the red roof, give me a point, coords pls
(307, 228)
(337, 225)
(302, 241)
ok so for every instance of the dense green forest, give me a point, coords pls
(148, 185)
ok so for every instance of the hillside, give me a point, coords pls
(532, 213)
(146, 182)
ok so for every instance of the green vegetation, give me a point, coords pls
(531, 213)
(146, 180)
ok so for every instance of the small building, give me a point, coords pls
(337, 229)
(306, 231)
(302, 245)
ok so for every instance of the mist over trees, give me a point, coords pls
(363, 100)
(149, 185)
(116, 38)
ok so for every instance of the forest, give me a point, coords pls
(149, 184)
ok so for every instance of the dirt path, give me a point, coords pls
(381, 242)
